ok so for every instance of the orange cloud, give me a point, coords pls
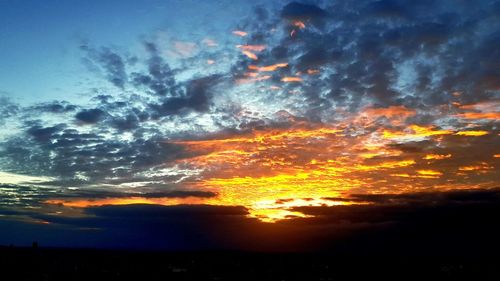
(489, 110)
(253, 48)
(479, 115)
(415, 131)
(291, 79)
(250, 55)
(299, 24)
(312, 71)
(240, 33)
(268, 68)
(480, 167)
(436, 156)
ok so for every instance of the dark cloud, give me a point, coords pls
(160, 78)
(13, 196)
(126, 123)
(66, 152)
(44, 134)
(372, 45)
(453, 224)
(7, 109)
(180, 194)
(26, 195)
(388, 8)
(196, 97)
(301, 11)
(111, 63)
(90, 116)
(55, 107)
(158, 192)
(156, 227)
(173, 212)
(176, 98)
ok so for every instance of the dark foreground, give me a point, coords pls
(62, 264)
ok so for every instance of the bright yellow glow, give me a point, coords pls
(472, 133)
(430, 173)
(437, 156)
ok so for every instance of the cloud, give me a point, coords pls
(126, 123)
(55, 107)
(172, 212)
(66, 152)
(8, 109)
(160, 79)
(44, 134)
(90, 116)
(388, 9)
(156, 227)
(295, 10)
(196, 97)
(111, 63)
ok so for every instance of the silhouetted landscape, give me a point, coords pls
(87, 264)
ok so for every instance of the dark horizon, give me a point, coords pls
(454, 224)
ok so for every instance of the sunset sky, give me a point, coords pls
(193, 124)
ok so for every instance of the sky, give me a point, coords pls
(232, 124)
